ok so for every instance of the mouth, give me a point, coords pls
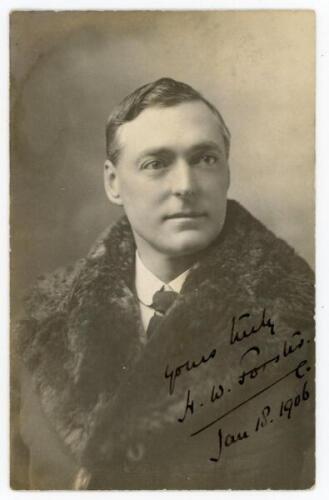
(186, 215)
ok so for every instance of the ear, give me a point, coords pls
(111, 183)
(228, 177)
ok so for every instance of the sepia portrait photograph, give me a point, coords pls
(162, 229)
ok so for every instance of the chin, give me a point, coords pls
(190, 245)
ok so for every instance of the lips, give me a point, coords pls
(186, 215)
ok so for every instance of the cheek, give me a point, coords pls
(216, 187)
(139, 204)
(215, 178)
(141, 196)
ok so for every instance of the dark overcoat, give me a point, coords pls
(221, 396)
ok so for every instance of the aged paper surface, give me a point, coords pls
(223, 395)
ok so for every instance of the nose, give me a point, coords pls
(183, 182)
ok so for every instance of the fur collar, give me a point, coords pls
(82, 340)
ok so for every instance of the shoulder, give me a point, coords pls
(52, 291)
(49, 293)
(54, 296)
(260, 249)
(252, 264)
(44, 307)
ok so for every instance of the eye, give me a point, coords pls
(206, 159)
(210, 159)
(153, 165)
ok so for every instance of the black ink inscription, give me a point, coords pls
(227, 440)
(254, 371)
(300, 371)
(290, 349)
(187, 366)
(266, 418)
(287, 406)
(238, 334)
(287, 350)
(217, 392)
(189, 407)
(263, 420)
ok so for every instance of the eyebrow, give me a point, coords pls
(155, 152)
(205, 145)
(167, 151)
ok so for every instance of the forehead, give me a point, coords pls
(177, 127)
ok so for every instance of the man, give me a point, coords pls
(179, 353)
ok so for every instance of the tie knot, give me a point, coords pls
(162, 300)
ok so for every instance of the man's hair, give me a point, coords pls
(164, 92)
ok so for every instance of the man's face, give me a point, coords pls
(172, 178)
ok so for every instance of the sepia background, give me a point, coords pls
(68, 69)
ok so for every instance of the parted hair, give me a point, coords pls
(164, 92)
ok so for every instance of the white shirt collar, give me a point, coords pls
(147, 283)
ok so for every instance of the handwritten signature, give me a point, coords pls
(287, 350)
(238, 333)
(300, 371)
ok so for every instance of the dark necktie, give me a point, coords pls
(161, 302)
